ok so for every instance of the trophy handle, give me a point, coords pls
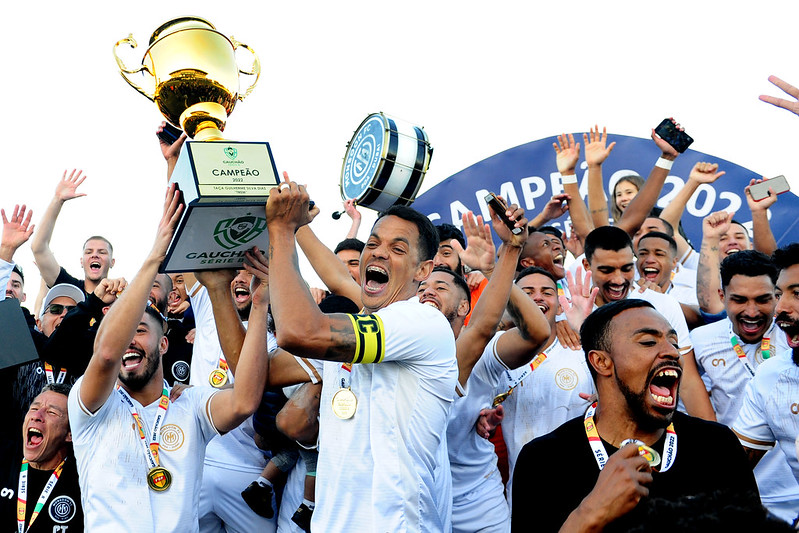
(256, 67)
(123, 70)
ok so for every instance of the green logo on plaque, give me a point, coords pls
(233, 232)
(231, 152)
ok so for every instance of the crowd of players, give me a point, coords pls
(437, 383)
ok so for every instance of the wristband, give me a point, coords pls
(568, 179)
(664, 163)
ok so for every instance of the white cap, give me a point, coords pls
(62, 289)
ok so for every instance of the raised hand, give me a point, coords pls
(760, 205)
(170, 151)
(716, 224)
(705, 172)
(288, 205)
(668, 150)
(352, 210)
(108, 290)
(67, 187)
(258, 266)
(479, 253)
(173, 209)
(568, 153)
(790, 105)
(595, 150)
(556, 207)
(16, 231)
(488, 421)
(516, 215)
(582, 298)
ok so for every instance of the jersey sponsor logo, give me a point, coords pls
(62, 509)
(171, 437)
(180, 370)
(566, 378)
(717, 362)
(795, 408)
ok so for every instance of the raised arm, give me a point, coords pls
(567, 154)
(645, 200)
(301, 326)
(171, 152)
(229, 328)
(595, 154)
(352, 211)
(327, 266)
(65, 190)
(231, 407)
(762, 237)
(708, 280)
(672, 213)
(16, 232)
(123, 319)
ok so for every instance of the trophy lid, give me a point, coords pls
(182, 23)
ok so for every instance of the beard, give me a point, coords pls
(244, 312)
(151, 363)
(636, 402)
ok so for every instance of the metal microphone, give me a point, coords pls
(336, 214)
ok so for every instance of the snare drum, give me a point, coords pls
(385, 163)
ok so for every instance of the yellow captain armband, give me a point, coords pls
(370, 339)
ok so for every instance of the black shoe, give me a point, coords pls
(259, 498)
(302, 517)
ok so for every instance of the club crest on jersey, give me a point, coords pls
(62, 509)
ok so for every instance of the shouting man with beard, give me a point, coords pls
(139, 454)
(594, 470)
(768, 415)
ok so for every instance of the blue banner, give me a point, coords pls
(526, 175)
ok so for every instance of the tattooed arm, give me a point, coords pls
(708, 281)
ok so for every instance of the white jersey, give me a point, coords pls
(472, 458)
(545, 399)
(770, 410)
(683, 285)
(377, 470)
(728, 378)
(113, 468)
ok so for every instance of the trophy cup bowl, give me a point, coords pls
(195, 75)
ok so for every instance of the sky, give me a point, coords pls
(479, 79)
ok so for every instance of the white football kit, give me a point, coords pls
(728, 377)
(113, 468)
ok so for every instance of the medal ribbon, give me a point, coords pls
(151, 448)
(601, 455)
(48, 371)
(765, 348)
(22, 494)
(535, 363)
(344, 377)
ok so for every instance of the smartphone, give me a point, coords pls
(499, 207)
(170, 134)
(759, 191)
(679, 140)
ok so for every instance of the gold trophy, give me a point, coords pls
(194, 77)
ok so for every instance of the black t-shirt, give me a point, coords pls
(61, 512)
(555, 472)
(177, 359)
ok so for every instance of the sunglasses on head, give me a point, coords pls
(57, 309)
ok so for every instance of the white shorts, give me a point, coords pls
(222, 509)
(484, 510)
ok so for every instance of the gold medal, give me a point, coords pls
(501, 398)
(344, 403)
(647, 452)
(159, 479)
(217, 378)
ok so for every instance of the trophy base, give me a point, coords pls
(225, 186)
(204, 121)
(214, 235)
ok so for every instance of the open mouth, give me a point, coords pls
(558, 260)
(34, 437)
(663, 387)
(732, 250)
(615, 292)
(751, 326)
(651, 274)
(241, 294)
(376, 279)
(431, 303)
(95, 266)
(132, 359)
